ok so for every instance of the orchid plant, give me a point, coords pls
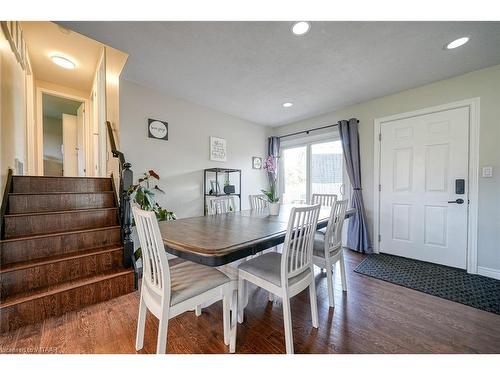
(271, 167)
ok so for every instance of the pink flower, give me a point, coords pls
(270, 164)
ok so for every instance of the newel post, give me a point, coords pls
(126, 215)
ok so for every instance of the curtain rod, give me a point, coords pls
(308, 131)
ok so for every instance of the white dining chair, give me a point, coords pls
(289, 273)
(221, 205)
(326, 200)
(327, 248)
(169, 291)
(258, 201)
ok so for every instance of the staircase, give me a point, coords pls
(61, 248)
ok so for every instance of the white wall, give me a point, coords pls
(180, 160)
(12, 110)
(483, 83)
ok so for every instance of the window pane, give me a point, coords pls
(326, 168)
(294, 176)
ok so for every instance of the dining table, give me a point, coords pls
(220, 239)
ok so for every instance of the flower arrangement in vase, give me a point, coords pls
(271, 167)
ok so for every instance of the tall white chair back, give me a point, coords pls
(221, 205)
(326, 200)
(333, 234)
(258, 201)
(298, 246)
(158, 287)
(156, 271)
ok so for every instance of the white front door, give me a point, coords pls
(70, 145)
(423, 166)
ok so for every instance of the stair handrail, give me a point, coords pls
(5, 202)
(126, 180)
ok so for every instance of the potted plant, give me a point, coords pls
(144, 195)
(271, 166)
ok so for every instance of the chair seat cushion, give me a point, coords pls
(268, 267)
(319, 246)
(191, 279)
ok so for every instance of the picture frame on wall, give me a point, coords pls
(157, 129)
(256, 162)
(218, 149)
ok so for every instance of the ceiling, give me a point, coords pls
(45, 39)
(55, 106)
(248, 69)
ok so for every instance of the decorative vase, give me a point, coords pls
(274, 209)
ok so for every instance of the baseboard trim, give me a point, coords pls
(489, 272)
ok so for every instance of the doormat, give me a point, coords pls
(450, 283)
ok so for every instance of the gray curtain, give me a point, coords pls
(273, 149)
(358, 237)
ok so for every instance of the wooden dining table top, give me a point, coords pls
(216, 240)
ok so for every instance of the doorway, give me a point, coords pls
(63, 127)
(426, 185)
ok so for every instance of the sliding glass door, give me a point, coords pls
(294, 175)
(312, 167)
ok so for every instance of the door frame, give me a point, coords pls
(474, 124)
(39, 121)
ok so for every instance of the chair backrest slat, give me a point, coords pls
(333, 234)
(326, 200)
(299, 238)
(221, 205)
(156, 272)
(258, 201)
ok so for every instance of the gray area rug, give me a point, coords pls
(441, 281)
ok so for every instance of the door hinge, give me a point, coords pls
(379, 187)
(379, 136)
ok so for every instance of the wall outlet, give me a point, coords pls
(487, 172)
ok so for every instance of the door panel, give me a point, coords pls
(80, 141)
(295, 175)
(70, 146)
(327, 168)
(421, 157)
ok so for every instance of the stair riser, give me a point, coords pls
(29, 249)
(40, 184)
(37, 277)
(20, 204)
(39, 309)
(41, 224)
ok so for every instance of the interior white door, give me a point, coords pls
(422, 160)
(80, 113)
(70, 145)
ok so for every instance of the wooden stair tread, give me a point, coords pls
(61, 177)
(65, 192)
(38, 236)
(62, 287)
(56, 258)
(60, 212)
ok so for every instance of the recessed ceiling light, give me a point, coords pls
(300, 28)
(457, 42)
(63, 62)
(287, 104)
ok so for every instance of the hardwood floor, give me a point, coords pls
(373, 317)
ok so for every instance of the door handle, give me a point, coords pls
(457, 201)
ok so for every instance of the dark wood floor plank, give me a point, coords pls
(372, 317)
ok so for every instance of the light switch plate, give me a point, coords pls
(488, 172)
